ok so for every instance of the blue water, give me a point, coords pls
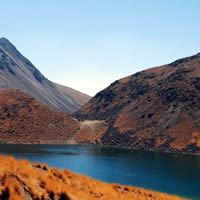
(170, 173)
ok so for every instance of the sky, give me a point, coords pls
(88, 44)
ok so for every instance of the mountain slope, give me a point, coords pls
(18, 72)
(25, 120)
(78, 97)
(155, 109)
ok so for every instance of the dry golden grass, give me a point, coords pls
(25, 120)
(23, 180)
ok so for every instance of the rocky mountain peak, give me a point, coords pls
(14, 55)
(16, 71)
(8, 46)
(4, 40)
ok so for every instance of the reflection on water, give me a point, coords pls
(171, 173)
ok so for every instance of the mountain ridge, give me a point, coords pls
(155, 109)
(18, 72)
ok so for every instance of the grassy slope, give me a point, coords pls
(23, 180)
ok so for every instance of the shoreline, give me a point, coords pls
(104, 146)
(24, 180)
(90, 146)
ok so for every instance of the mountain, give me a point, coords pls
(78, 97)
(18, 72)
(156, 109)
(25, 120)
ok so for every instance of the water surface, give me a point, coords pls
(170, 173)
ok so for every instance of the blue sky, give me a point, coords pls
(88, 44)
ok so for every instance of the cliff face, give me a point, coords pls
(18, 72)
(23, 119)
(155, 109)
(21, 180)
